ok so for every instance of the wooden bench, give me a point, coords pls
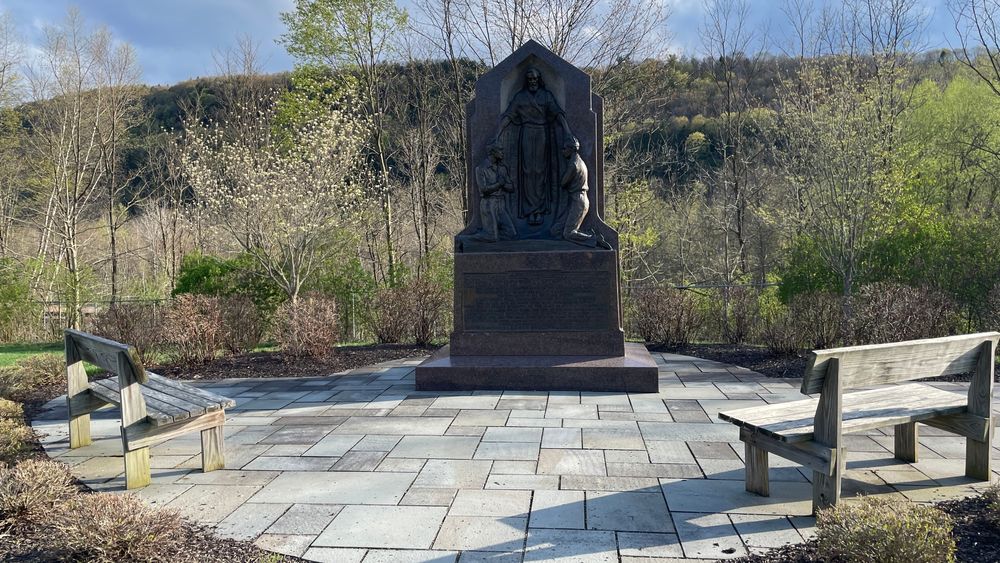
(810, 431)
(154, 409)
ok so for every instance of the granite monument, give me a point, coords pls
(537, 296)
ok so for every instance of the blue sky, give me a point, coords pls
(175, 39)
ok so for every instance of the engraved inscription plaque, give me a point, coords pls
(538, 301)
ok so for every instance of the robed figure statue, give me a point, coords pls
(535, 114)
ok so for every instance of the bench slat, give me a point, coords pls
(863, 410)
(191, 394)
(802, 411)
(159, 412)
(163, 408)
(879, 364)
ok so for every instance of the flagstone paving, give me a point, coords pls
(361, 467)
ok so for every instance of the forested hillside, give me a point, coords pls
(763, 179)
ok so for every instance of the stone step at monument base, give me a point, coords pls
(635, 372)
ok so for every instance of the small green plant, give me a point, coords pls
(878, 530)
(31, 490)
(992, 496)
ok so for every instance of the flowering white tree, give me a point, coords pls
(282, 201)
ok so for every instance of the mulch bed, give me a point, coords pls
(977, 535)
(760, 360)
(276, 364)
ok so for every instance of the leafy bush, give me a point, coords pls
(31, 490)
(209, 275)
(242, 324)
(109, 528)
(307, 327)
(890, 312)
(192, 327)
(14, 436)
(878, 530)
(17, 382)
(390, 315)
(429, 302)
(664, 315)
(135, 324)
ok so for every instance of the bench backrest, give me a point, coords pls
(877, 364)
(115, 357)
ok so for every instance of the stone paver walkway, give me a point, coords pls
(361, 467)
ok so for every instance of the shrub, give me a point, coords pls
(664, 315)
(17, 382)
(136, 324)
(307, 327)
(242, 324)
(19, 317)
(14, 436)
(30, 491)
(429, 302)
(992, 496)
(890, 312)
(818, 316)
(877, 530)
(109, 528)
(779, 332)
(192, 326)
(390, 315)
(10, 410)
(991, 314)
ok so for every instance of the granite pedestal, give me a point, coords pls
(542, 320)
(632, 372)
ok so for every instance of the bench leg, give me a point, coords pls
(826, 488)
(906, 442)
(756, 473)
(212, 449)
(79, 423)
(977, 457)
(79, 431)
(137, 468)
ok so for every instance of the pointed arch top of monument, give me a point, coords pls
(530, 48)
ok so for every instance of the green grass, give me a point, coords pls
(11, 353)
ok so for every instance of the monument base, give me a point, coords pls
(635, 372)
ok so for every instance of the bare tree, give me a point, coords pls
(11, 157)
(168, 204)
(978, 25)
(70, 136)
(118, 74)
